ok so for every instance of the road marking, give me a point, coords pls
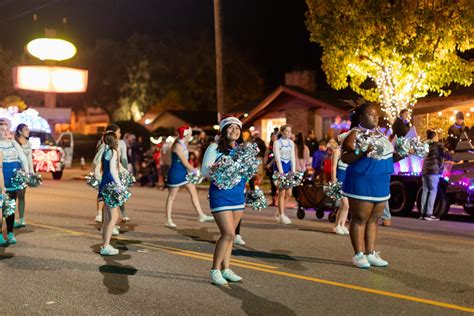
(261, 268)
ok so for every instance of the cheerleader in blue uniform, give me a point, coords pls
(339, 174)
(11, 158)
(366, 185)
(284, 153)
(180, 166)
(227, 206)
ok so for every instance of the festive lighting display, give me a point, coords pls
(50, 79)
(29, 117)
(51, 49)
(45, 160)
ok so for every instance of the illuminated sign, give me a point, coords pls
(50, 79)
(51, 49)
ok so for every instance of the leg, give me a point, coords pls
(424, 195)
(237, 217)
(169, 202)
(371, 228)
(433, 187)
(10, 220)
(123, 213)
(194, 198)
(111, 217)
(21, 203)
(237, 229)
(273, 192)
(386, 212)
(226, 225)
(343, 212)
(360, 211)
(282, 197)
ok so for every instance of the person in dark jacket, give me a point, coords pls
(432, 170)
(401, 126)
(455, 131)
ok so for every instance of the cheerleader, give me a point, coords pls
(338, 174)
(22, 134)
(226, 205)
(110, 174)
(11, 157)
(285, 162)
(366, 185)
(180, 166)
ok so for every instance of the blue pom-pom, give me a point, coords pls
(8, 205)
(256, 199)
(35, 180)
(194, 177)
(19, 179)
(225, 173)
(127, 179)
(114, 195)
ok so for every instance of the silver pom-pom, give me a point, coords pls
(287, 181)
(19, 179)
(127, 179)
(194, 177)
(246, 156)
(256, 199)
(370, 145)
(225, 173)
(92, 181)
(35, 179)
(333, 190)
(8, 206)
(114, 195)
(421, 148)
(403, 146)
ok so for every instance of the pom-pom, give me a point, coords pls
(19, 179)
(403, 146)
(127, 179)
(92, 181)
(114, 195)
(370, 145)
(333, 190)
(225, 173)
(421, 148)
(289, 180)
(8, 205)
(246, 156)
(256, 199)
(34, 179)
(194, 177)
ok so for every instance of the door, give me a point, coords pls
(66, 142)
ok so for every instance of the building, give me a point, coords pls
(171, 119)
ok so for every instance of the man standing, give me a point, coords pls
(401, 126)
(455, 131)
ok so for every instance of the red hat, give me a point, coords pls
(183, 131)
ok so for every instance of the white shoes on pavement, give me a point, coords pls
(360, 261)
(340, 230)
(238, 240)
(170, 224)
(285, 220)
(375, 260)
(116, 230)
(205, 218)
(98, 218)
(108, 251)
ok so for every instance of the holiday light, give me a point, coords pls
(29, 117)
(50, 79)
(51, 49)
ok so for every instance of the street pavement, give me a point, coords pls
(300, 269)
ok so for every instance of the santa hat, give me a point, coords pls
(183, 131)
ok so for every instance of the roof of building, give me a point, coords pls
(193, 118)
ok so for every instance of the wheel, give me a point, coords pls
(332, 216)
(401, 200)
(441, 206)
(57, 175)
(319, 213)
(300, 214)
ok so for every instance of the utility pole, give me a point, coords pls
(219, 62)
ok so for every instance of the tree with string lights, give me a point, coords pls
(405, 48)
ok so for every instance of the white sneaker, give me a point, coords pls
(205, 218)
(338, 230)
(126, 219)
(217, 278)
(229, 275)
(238, 240)
(360, 261)
(116, 230)
(170, 224)
(375, 260)
(285, 220)
(98, 218)
(108, 251)
(346, 231)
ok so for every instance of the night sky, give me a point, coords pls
(271, 32)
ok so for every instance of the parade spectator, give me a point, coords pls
(165, 161)
(312, 143)
(455, 131)
(269, 163)
(327, 164)
(401, 126)
(193, 160)
(432, 170)
(302, 154)
(331, 141)
(318, 157)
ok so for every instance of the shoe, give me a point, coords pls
(346, 231)
(3, 242)
(205, 218)
(170, 224)
(386, 222)
(11, 238)
(375, 260)
(360, 261)
(108, 251)
(338, 230)
(277, 218)
(422, 218)
(229, 275)
(125, 219)
(22, 222)
(431, 218)
(19, 224)
(285, 220)
(98, 218)
(217, 278)
(238, 240)
(116, 230)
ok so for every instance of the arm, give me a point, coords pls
(123, 154)
(306, 156)
(293, 157)
(210, 157)
(97, 162)
(276, 155)
(348, 149)
(114, 167)
(336, 154)
(178, 149)
(22, 156)
(30, 157)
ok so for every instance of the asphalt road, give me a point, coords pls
(301, 269)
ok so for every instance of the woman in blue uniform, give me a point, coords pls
(227, 206)
(11, 158)
(366, 185)
(180, 166)
(339, 174)
(285, 161)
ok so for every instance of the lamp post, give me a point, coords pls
(219, 62)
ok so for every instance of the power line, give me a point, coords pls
(28, 12)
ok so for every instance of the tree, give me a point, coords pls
(405, 48)
(6, 81)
